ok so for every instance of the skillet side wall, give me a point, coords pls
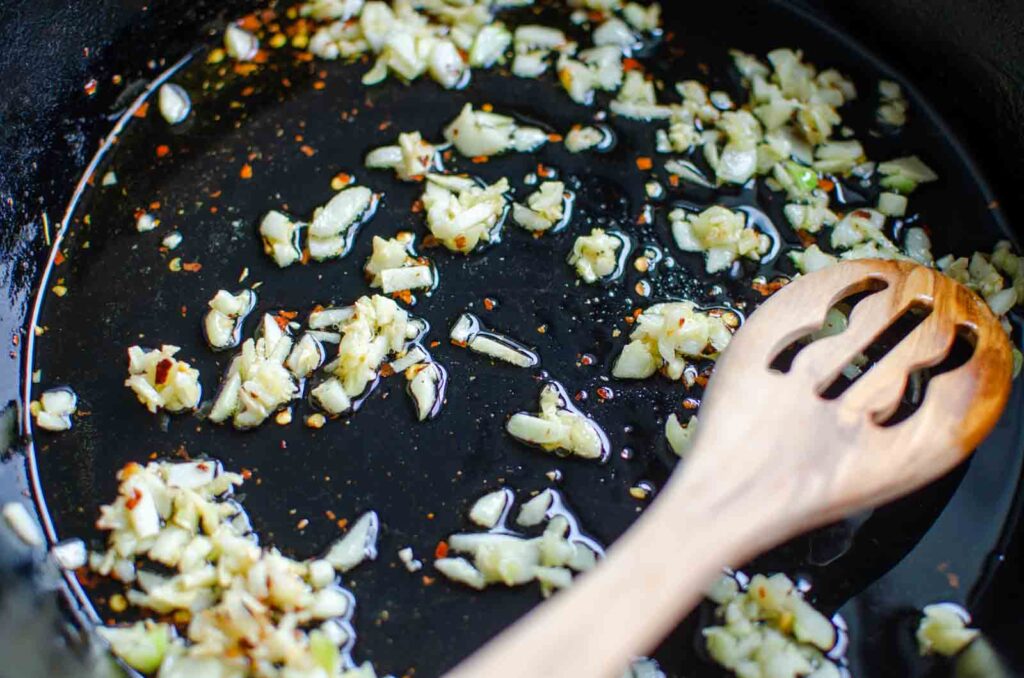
(967, 59)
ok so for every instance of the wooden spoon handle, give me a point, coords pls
(651, 578)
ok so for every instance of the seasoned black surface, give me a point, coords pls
(120, 288)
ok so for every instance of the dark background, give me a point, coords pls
(966, 57)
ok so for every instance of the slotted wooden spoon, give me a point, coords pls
(772, 458)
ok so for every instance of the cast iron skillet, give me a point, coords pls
(876, 570)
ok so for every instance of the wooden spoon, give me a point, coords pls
(771, 458)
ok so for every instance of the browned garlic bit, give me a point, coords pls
(370, 330)
(222, 325)
(598, 256)
(549, 208)
(54, 408)
(160, 381)
(461, 214)
(769, 629)
(257, 383)
(481, 133)
(280, 238)
(186, 549)
(393, 266)
(559, 427)
(411, 159)
(719, 232)
(469, 332)
(667, 336)
(501, 556)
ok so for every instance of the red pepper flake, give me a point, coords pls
(673, 181)
(487, 108)
(826, 185)
(605, 393)
(417, 207)
(319, 84)
(587, 359)
(214, 209)
(155, 205)
(246, 474)
(248, 90)
(459, 343)
(479, 159)
(460, 241)
(441, 551)
(192, 266)
(244, 69)
(428, 581)
(632, 65)
(307, 150)
(691, 404)
(555, 138)
(806, 239)
(767, 289)
(163, 150)
(184, 311)
(142, 110)
(134, 500)
(863, 214)
(163, 368)
(544, 172)
(261, 56)
(643, 163)
(386, 370)
(435, 343)
(58, 258)
(330, 515)
(246, 171)
(404, 295)
(384, 125)
(90, 87)
(342, 523)
(489, 303)
(250, 23)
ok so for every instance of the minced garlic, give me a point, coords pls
(54, 408)
(597, 256)
(545, 208)
(334, 224)
(668, 336)
(583, 138)
(160, 381)
(559, 427)
(944, 630)
(482, 133)
(393, 267)
(461, 214)
(469, 331)
(719, 232)
(257, 383)
(280, 238)
(222, 324)
(411, 158)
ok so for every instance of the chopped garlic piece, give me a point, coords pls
(679, 436)
(535, 511)
(903, 175)
(559, 426)
(240, 44)
(944, 630)
(334, 224)
(280, 238)
(582, 138)
(54, 408)
(892, 109)
(426, 386)
(371, 329)
(637, 99)
(545, 208)
(146, 222)
(770, 624)
(412, 158)
(161, 381)
(222, 324)
(257, 383)
(812, 259)
(463, 217)
(409, 559)
(481, 133)
(306, 356)
(174, 103)
(597, 256)
(70, 554)
(643, 17)
(468, 331)
(489, 509)
(358, 544)
(720, 233)
(892, 204)
(668, 336)
(598, 68)
(615, 32)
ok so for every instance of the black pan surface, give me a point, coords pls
(942, 543)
